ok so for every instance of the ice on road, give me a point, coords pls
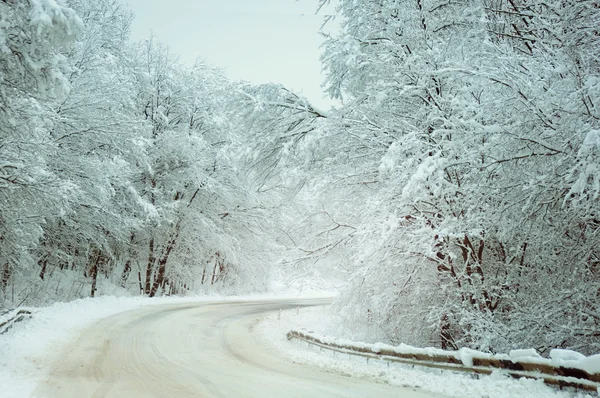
(194, 350)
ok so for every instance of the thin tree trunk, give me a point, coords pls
(217, 265)
(5, 276)
(162, 263)
(151, 256)
(160, 276)
(94, 274)
(150, 266)
(140, 281)
(203, 274)
(214, 275)
(126, 272)
(44, 263)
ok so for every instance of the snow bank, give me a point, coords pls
(469, 357)
(590, 364)
(27, 348)
(525, 354)
(448, 384)
(7, 315)
(10, 317)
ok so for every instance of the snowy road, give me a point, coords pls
(194, 350)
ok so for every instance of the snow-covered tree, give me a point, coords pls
(33, 75)
(479, 141)
(99, 150)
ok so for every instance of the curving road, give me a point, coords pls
(194, 350)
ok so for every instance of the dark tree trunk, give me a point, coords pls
(160, 276)
(140, 281)
(125, 274)
(44, 263)
(150, 266)
(162, 263)
(5, 276)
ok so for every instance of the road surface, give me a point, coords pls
(194, 350)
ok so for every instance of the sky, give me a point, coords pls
(259, 41)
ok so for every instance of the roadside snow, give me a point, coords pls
(315, 320)
(10, 315)
(26, 348)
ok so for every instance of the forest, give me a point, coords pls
(452, 198)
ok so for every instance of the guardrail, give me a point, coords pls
(9, 318)
(560, 376)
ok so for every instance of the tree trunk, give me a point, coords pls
(214, 275)
(5, 276)
(125, 274)
(217, 266)
(44, 263)
(150, 266)
(160, 276)
(203, 274)
(94, 274)
(140, 281)
(162, 263)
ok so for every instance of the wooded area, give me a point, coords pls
(457, 187)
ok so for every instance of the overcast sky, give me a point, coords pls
(256, 40)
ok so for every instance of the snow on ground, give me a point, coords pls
(27, 349)
(315, 320)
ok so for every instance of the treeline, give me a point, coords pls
(455, 194)
(459, 184)
(118, 165)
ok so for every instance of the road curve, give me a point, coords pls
(194, 350)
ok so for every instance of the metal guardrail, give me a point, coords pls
(13, 317)
(553, 375)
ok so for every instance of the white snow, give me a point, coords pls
(10, 314)
(524, 354)
(466, 356)
(26, 349)
(45, 13)
(590, 364)
(453, 384)
(559, 354)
